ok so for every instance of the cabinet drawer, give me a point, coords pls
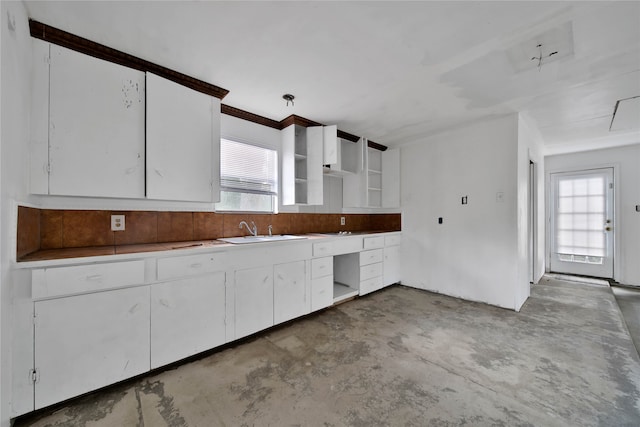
(393, 240)
(321, 293)
(370, 285)
(370, 257)
(60, 281)
(369, 271)
(321, 267)
(322, 249)
(190, 265)
(374, 242)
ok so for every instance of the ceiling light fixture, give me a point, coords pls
(289, 98)
(541, 57)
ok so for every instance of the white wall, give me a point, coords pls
(626, 163)
(14, 142)
(530, 148)
(473, 254)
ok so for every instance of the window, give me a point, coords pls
(248, 177)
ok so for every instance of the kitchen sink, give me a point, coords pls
(260, 239)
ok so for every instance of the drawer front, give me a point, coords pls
(374, 242)
(321, 267)
(322, 249)
(393, 240)
(370, 257)
(347, 245)
(369, 271)
(190, 265)
(61, 281)
(370, 285)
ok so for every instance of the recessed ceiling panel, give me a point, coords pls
(626, 115)
(523, 56)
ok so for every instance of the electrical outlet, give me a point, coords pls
(342, 220)
(117, 222)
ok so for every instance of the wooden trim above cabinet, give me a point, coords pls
(71, 41)
(251, 117)
(376, 146)
(301, 121)
(297, 120)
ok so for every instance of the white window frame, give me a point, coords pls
(223, 188)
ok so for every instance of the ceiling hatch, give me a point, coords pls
(558, 40)
(626, 115)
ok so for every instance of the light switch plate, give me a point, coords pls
(117, 222)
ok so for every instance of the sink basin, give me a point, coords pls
(260, 239)
(345, 233)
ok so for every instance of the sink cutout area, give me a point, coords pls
(260, 239)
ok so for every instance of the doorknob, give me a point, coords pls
(607, 229)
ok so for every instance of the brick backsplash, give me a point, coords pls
(40, 229)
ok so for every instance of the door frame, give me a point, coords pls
(616, 210)
(532, 220)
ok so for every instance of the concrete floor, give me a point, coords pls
(628, 300)
(400, 357)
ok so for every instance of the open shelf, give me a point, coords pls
(342, 292)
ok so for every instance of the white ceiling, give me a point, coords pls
(391, 71)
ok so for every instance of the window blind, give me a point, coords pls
(247, 168)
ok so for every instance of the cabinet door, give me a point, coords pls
(183, 143)
(290, 293)
(88, 341)
(354, 186)
(321, 292)
(391, 265)
(331, 145)
(315, 149)
(96, 127)
(391, 178)
(187, 317)
(253, 300)
(39, 120)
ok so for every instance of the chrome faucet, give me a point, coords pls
(253, 229)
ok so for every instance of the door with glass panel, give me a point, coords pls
(582, 223)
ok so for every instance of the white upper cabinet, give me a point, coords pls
(330, 145)
(348, 156)
(391, 178)
(183, 142)
(96, 127)
(39, 129)
(377, 184)
(99, 129)
(302, 156)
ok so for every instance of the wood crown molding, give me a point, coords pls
(79, 44)
(70, 41)
(251, 117)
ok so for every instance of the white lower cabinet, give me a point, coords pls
(291, 297)
(321, 283)
(85, 342)
(321, 293)
(187, 317)
(391, 260)
(253, 300)
(371, 267)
